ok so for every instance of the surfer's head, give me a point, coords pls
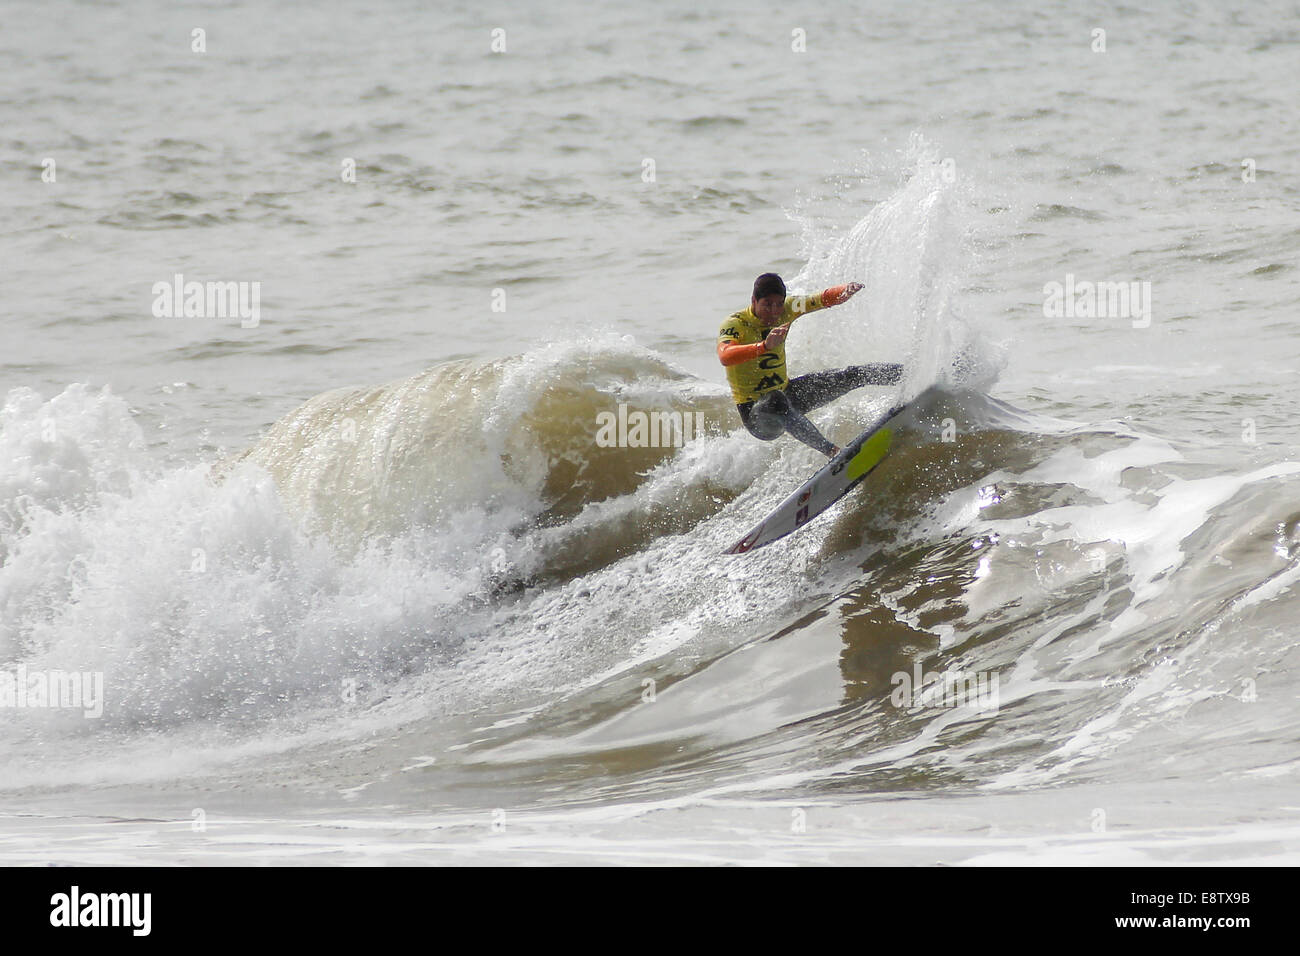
(768, 303)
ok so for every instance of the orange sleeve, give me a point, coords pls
(733, 353)
(835, 295)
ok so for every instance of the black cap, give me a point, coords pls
(769, 283)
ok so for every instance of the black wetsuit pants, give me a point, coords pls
(785, 410)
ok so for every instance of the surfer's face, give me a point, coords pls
(768, 309)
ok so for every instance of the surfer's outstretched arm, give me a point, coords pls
(835, 295)
(839, 294)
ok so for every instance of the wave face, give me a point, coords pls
(453, 564)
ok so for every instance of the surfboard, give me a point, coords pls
(836, 479)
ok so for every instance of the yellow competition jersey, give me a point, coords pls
(753, 379)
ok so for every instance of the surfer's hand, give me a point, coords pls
(852, 289)
(776, 336)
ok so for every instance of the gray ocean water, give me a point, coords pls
(359, 581)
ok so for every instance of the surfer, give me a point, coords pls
(751, 345)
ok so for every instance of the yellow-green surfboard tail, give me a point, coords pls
(871, 454)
